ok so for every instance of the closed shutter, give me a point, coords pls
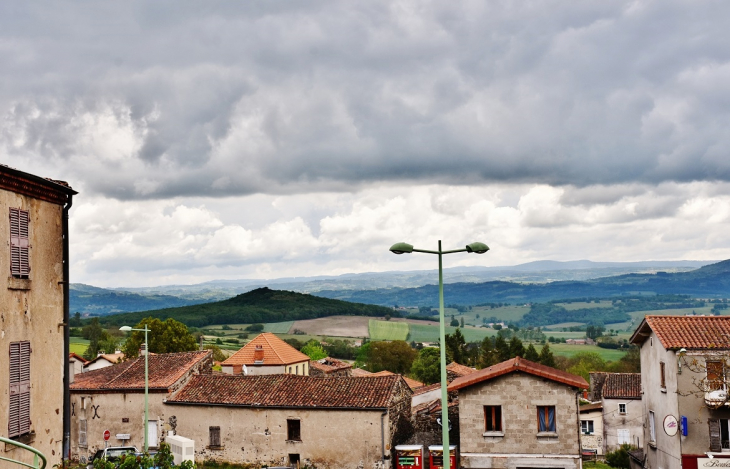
(214, 434)
(19, 415)
(82, 433)
(715, 443)
(19, 243)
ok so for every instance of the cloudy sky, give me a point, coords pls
(268, 139)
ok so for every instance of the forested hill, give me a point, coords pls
(260, 305)
(711, 281)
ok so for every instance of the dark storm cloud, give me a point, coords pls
(159, 99)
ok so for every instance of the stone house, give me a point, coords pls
(34, 316)
(591, 429)
(112, 398)
(519, 414)
(684, 363)
(329, 367)
(267, 354)
(623, 413)
(103, 360)
(289, 420)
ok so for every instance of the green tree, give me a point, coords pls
(546, 356)
(396, 356)
(454, 322)
(583, 363)
(427, 367)
(75, 321)
(461, 322)
(362, 358)
(167, 336)
(531, 354)
(620, 457)
(218, 354)
(488, 354)
(314, 350)
(502, 349)
(456, 347)
(516, 349)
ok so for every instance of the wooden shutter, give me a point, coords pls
(19, 415)
(214, 434)
(715, 375)
(715, 443)
(19, 243)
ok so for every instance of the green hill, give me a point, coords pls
(257, 306)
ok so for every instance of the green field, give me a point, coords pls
(278, 327)
(585, 305)
(568, 350)
(78, 345)
(387, 330)
(429, 333)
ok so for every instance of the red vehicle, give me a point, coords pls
(436, 457)
(409, 457)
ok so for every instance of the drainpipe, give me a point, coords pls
(66, 392)
(577, 408)
(382, 437)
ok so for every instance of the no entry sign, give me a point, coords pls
(107, 435)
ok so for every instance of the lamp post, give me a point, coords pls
(146, 380)
(477, 248)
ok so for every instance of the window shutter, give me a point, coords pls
(19, 243)
(715, 444)
(215, 436)
(19, 415)
(82, 433)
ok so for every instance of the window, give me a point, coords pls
(19, 415)
(624, 436)
(293, 432)
(492, 418)
(214, 437)
(297, 369)
(719, 435)
(546, 418)
(19, 243)
(82, 433)
(586, 427)
(622, 409)
(652, 428)
(715, 376)
(662, 375)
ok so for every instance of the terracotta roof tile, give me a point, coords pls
(518, 364)
(329, 365)
(285, 390)
(622, 386)
(359, 372)
(428, 388)
(460, 370)
(75, 356)
(164, 370)
(412, 383)
(690, 332)
(590, 407)
(276, 352)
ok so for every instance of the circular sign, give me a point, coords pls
(107, 435)
(670, 425)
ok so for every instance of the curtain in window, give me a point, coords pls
(546, 418)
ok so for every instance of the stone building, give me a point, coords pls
(286, 420)
(519, 414)
(329, 367)
(623, 414)
(34, 314)
(686, 411)
(267, 354)
(591, 429)
(112, 398)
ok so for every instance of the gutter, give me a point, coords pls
(66, 337)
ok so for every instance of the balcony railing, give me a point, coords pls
(36, 455)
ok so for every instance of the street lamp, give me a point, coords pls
(146, 380)
(477, 248)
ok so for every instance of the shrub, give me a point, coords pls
(620, 457)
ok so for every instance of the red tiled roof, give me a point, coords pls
(622, 386)
(276, 352)
(285, 390)
(328, 365)
(359, 372)
(459, 369)
(518, 364)
(78, 357)
(164, 370)
(428, 388)
(590, 407)
(412, 383)
(690, 332)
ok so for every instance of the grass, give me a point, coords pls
(568, 350)
(78, 345)
(596, 465)
(278, 327)
(387, 330)
(429, 333)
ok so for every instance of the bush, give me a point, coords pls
(255, 328)
(620, 457)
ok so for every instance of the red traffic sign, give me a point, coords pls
(107, 435)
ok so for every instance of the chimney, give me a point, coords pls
(585, 394)
(258, 355)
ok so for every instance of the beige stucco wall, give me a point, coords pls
(633, 421)
(594, 441)
(108, 412)
(347, 439)
(32, 310)
(665, 453)
(519, 394)
(301, 368)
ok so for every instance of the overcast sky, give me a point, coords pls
(269, 139)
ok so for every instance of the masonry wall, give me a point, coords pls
(613, 421)
(594, 441)
(519, 394)
(32, 310)
(348, 439)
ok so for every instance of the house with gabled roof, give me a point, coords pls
(519, 414)
(103, 360)
(267, 354)
(112, 398)
(412, 383)
(457, 370)
(329, 367)
(622, 418)
(684, 380)
(290, 420)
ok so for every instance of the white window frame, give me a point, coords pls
(587, 427)
(622, 412)
(652, 427)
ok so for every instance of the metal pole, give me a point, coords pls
(444, 393)
(146, 389)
